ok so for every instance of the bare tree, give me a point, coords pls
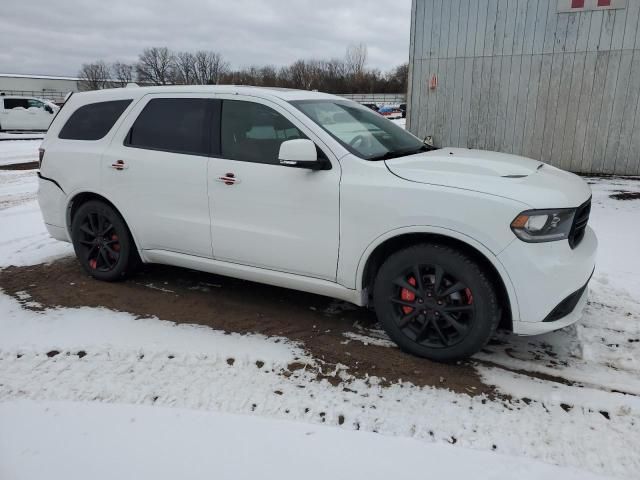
(356, 59)
(159, 66)
(156, 66)
(185, 66)
(122, 73)
(94, 76)
(209, 67)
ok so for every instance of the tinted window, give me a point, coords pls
(253, 132)
(180, 125)
(10, 103)
(93, 121)
(35, 103)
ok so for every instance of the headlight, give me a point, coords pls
(543, 225)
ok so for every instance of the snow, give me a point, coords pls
(62, 439)
(24, 239)
(139, 397)
(401, 122)
(602, 350)
(18, 151)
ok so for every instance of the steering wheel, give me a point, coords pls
(358, 140)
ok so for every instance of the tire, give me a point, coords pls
(102, 242)
(435, 302)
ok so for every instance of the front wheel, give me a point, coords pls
(102, 242)
(435, 302)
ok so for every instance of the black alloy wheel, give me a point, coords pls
(99, 242)
(102, 242)
(431, 306)
(436, 302)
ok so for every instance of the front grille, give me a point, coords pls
(579, 226)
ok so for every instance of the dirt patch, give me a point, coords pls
(186, 296)
(20, 166)
(625, 195)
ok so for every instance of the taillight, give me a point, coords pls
(40, 157)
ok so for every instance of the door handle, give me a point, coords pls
(228, 179)
(119, 165)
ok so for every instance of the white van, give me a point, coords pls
(317, 193)
(26, 113)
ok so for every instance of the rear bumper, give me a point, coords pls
(545, 276)
(52, 201)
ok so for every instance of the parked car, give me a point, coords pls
(372, 106)
(313, 192)
(25, 113)
(390, 112)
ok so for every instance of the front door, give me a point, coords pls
(15, 115)
(155, 171)
(38, 117)
(264, 214)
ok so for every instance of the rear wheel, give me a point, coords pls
(435, 302)
(102, 242)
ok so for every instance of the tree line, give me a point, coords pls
(162, 66)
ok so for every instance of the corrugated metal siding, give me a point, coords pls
(519, 77)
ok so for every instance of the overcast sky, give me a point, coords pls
(56, 37)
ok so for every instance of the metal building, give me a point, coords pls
(555, 80)
(41, 86)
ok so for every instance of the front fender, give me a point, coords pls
(433, 230)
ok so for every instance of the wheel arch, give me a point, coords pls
(79, 198)
(397, 240)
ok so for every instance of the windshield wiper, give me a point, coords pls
(402, 153)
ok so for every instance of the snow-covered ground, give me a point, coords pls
(106, 441)
(21, 135)
(110, 395)
(18, 151)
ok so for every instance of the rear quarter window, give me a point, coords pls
(93, 121)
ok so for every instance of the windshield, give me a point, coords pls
(362, 131)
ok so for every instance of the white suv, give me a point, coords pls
(316, 193)
(26, 113)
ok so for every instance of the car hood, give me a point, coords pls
(528, 181)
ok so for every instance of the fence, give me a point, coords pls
(53, 95)
(379, 98)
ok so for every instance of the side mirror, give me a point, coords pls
(48, 108)
(300, 153)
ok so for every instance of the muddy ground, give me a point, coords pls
(186, 296)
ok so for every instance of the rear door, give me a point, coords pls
(264, 214)
(156, 171)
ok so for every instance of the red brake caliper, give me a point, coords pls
(467, 291)
(408, 296)
(116, 246)
(93, 263)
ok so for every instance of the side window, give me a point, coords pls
(11, 103)
(93, 121)
(253, 132)
(34, 103)
(180, 125)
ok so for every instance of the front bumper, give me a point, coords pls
(545, 274)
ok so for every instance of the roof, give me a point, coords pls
(264, 92)
(44, 77)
